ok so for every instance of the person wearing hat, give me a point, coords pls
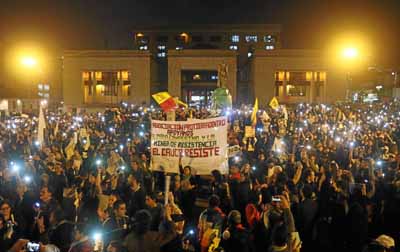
(235, 238)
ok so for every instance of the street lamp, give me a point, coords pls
(349, 54)
(28, 61)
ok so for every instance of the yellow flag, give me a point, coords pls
(161, 97)
(165, 101)
(254, 113)
(274, 103)
(181, 103)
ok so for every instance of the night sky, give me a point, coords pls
(84, 24)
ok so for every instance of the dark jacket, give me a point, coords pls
(238, 240)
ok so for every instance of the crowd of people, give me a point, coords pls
(314, 177)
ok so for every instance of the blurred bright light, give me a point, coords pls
(27, 179)
(28, 61)
(97, 236)
(350, 53)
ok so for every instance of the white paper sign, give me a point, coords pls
(201, 143)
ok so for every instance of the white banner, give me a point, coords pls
(201, 143)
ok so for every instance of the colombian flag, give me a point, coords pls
(165, 101)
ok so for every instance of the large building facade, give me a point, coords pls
(185, 62)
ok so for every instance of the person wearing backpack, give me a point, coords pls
(211, 223)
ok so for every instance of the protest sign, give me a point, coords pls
(234, 150)
(202, 144)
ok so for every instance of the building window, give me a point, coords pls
(99, 77)
(251, 38)
(179, 48)
(269, 47)
(124, 76)
(235, 38)
(161, 47)
(214, 77)
(182, 38)
(249, 54)
(143, 48)
(298, 78)
(280, 76)
(87, 81)
(320, 76)
(161, 55)
(163, 39)
(296, 90)
(215, 38)
(196, 77)
(233, 47)
(110, 84)
(197, 38)
(141, 39)
(269, 39)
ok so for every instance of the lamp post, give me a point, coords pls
(350, 54)
(29, 63)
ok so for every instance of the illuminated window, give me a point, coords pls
(110, 83)
(161, 47)
(124, 76)
(269, 39)
(161, 55)
(235, 38)
(179, 48)
(320, 76)
(251, 38)
(249, 54)
(40, 86)
(46, 87)
(141, 38)
(196, 77)
(182, 38)
(214, 77)
(269, 47)
(86, 76)
(233, 47)
(280, 76)
(143, 47)
(309, 76)
(88, 81)
(296, 90)
(99, 76)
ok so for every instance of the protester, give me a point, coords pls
(311, 177)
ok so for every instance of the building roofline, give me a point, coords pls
(208, 28)
(105, 53)
(202, 53)
(288, 53)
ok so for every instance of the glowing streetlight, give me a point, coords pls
(28, 61)
(350, 53)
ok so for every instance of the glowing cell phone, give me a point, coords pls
(32, 247)
(276, 199)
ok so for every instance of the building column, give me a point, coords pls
(174, 79)
(312, 91)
